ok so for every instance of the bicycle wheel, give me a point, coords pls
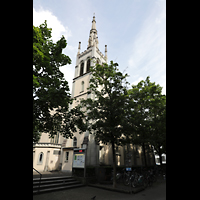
(134, 183)
(150, 182)
(126, 179)
(154, 178)
(145, 183)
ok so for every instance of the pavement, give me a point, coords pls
(155, 192)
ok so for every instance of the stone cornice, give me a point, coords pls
(46, 145)
(81, 76)
(83, 53)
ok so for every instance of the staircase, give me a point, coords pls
(49, 184)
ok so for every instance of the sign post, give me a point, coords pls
(79, 159)
(85, 163)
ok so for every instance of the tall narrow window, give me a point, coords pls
(40, 158)
(67, 156)
(88, 65)
(82, 86)
(81, 70)
(75, 142)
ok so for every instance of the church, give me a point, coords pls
(63, 154)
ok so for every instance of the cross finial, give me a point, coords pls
(94, 14)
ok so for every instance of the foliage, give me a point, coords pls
(147, 115)
(105, 113)
(51, 95)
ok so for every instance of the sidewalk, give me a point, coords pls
(156, 192)
(122, 188)
(119, 188)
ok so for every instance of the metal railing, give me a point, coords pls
(40, 178)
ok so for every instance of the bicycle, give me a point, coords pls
(150, 177)
(127, 177)
(139, 180)
(119, 176)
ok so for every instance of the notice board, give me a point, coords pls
(79, 160)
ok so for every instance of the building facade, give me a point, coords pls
(58, 153)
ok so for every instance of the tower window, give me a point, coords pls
(81, 70)
(82, 86)
(88, 65)
(75, 142)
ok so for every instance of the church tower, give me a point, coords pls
(83, 62)
(80, 84)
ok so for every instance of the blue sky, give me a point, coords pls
(133, 30)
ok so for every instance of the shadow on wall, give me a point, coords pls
(53, 164)
(105, 155)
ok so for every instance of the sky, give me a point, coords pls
(133, 30)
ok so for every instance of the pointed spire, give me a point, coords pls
(79, 48)
(93, 38)
(93, 23)
(106, 53)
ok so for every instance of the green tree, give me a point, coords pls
(51, 95)
(105, 113)
(158, 124)
(145, 114)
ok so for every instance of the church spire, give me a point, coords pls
(79, 48)
(106, 57)
(93, 38)
(94, 23)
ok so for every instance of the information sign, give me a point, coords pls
(79, 160)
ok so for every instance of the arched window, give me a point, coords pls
(81, 70)
(82, 86)
(75, 142)
(98, 61)
(88, 65)
(40, 158)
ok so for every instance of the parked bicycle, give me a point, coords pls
(139, 180)
(150, 177)
(119, 176)
(135, 179)
(127, 176)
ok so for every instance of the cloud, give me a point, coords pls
(68, 71)
(58, 29)
(148, 53)
(138, 80)
(161, 17)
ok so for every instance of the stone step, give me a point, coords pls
(48, 184)
(52, 181)
(44, 179)
(57, 188)
(35, 187)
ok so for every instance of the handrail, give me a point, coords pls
(40, 178)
